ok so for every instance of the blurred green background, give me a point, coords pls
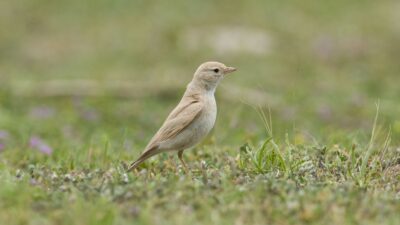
(319, 65)
(89, 82)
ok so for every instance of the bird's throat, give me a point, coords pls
(202, 87)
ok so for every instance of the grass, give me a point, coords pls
(279, 181)
(84, 86)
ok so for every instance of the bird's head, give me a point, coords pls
(210, 74)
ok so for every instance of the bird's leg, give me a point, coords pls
(172, 160)
(180, 156)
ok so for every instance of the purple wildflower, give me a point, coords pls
(3, 134)
(38, 144)
(33, 181)
(41, 112)
(90, 115)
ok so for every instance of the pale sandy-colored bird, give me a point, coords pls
(193, 118)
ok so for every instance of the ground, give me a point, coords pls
(307, 130)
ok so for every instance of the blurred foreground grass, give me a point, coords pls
(84, 85)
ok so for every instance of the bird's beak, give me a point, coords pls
(229, 70)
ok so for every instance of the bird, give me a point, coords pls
(192, 119)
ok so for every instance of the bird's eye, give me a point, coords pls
(216, 70)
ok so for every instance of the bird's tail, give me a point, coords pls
(147, 154)
(134, 165)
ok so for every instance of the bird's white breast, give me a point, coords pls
(207, 118)
(198, 129)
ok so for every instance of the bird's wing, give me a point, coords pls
(181, 117)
